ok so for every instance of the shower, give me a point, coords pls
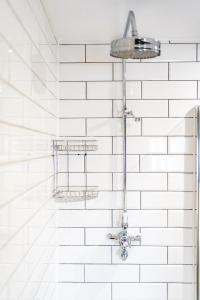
(134, 47)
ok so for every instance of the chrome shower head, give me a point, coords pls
(135, 47)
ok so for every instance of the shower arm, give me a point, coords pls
(131, 22)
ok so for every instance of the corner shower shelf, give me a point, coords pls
(76, 193)
(75, 145)
(66, 148)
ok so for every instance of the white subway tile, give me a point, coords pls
(180, 291)
(99, 53)
(84, 218)
(167, 236)
(72, 127)
(80, 291)
(111, 273)
(176, 52)
(167, 200)
(139, 291)
(70, 273)
(167, 163)
(104, 145)
(181, 182)
(113, 90)
(185, 71)
(99, 236)
(141, 181)
(111, 163)
(168, 126)
(84, 254)
(113, 200)
(62, 204)
(180, 255)
(72, 90)
(75, 179)
(169, 90)
(111, 127)
(166, 274)
(106, 200)
(180, 218)
(143, 108)
(70, 236)
(142, 71)
(74, 163)
(141, 145)
(85, 72)
(72, 53)
(142, 218)
(142, 255)
(144, 181)
(182, 108)
(85, 109)
(102, 180)
(181, 145)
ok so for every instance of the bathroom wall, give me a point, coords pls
(28, 123)
(163, 92)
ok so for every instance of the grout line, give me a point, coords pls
(197, 54)
(84, 279)
(169, 70)
(86, 90)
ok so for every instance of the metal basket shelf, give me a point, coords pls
(76, 193)
(75, 145)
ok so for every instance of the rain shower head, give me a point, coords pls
(135, 47)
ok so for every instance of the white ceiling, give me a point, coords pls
(93, 21)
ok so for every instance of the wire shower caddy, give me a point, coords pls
(65, 149)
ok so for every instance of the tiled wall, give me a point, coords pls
(28, 123)
(163, 92)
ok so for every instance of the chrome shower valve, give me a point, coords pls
(124, 241)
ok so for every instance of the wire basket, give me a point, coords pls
(76, 193)
(75, 145)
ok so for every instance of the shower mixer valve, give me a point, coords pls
(123, 237)
(124, 241)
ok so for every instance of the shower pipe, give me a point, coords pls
(198, 203)
(135, 47)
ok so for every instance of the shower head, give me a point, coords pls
(134, 47)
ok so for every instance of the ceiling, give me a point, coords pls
(100, 21)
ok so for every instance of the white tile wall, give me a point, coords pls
(179, 291)
(111, 273)
(170, 90)
(163, 92)
(142, 71)
(28, 123)
(113, 90)
(139, 291)
(79, 291)
(167, 273)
